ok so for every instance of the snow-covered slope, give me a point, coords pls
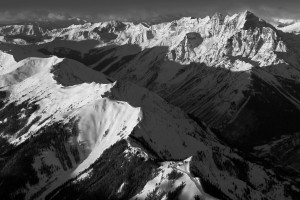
(180, 54)
(63, 90)
(213, 68)
(61, 122)
(6, 61)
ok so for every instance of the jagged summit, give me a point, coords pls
(252, 21)
(125, 32)
(248, 13)
(218, 16)
(228, 34)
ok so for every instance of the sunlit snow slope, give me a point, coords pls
(67, 130)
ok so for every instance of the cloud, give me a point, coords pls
(140, 15)
(143, 10)
(284, 21)
(23, 16)
(9, 16)
(55, 16)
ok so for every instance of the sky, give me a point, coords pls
(142, 10)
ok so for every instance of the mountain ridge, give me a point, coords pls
(96, 103)
(116, 110)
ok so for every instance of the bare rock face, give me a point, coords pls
(185, 50)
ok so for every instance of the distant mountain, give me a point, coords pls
(52, 24)
(188, 109)
(291, 28)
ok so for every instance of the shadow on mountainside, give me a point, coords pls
(264, 112)
(244, 109)
(267, 114)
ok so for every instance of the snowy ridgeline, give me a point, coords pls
(80, 134)
(208, 67)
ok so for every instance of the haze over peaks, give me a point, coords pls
(133, 10)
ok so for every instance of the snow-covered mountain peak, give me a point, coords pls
(26, 30)
(252, 21)
(111, 26)
(214, 40)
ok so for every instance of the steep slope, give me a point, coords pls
(208, 56)
(284, 151)
(6, 60)
(220, 69)
(51, 87)
(214, 68)
(236, 74)
(66, 131)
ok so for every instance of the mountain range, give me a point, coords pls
(195, 108)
